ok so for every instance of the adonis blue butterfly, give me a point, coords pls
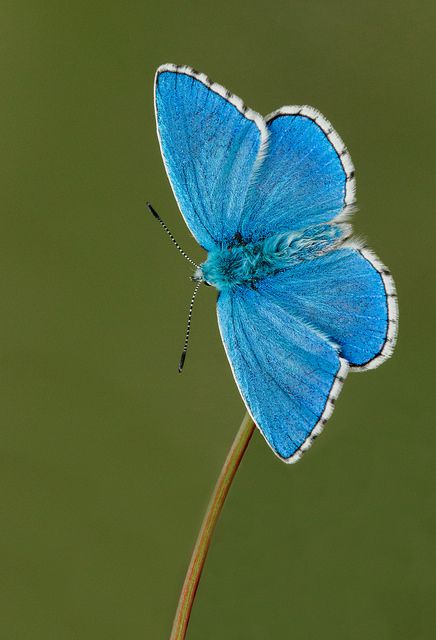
(299, 302)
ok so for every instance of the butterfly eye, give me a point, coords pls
(198, 276)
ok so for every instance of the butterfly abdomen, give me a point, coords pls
(240, 263)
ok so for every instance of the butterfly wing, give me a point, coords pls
(288, 373)
(305, 177)
(348, 295)
(291, 340)
(209, 142)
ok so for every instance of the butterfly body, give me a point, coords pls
(243, 263)
(301, 303)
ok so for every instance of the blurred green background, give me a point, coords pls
(108, 456)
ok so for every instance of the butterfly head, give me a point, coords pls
(198, 276)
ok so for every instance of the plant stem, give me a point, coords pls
(210, 519)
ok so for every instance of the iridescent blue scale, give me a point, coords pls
(299, 303)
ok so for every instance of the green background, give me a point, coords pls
(108, 456)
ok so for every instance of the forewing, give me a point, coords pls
(348, 295)
(209, 142)
(289, 374)
(306, 176)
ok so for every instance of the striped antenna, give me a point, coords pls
(168, 232)
(188, 328)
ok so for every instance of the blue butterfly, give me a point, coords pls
(299, 303)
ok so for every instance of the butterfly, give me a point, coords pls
(300, 303)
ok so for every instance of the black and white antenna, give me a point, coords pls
(195, 278)
(188, 328)
(168, 232)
